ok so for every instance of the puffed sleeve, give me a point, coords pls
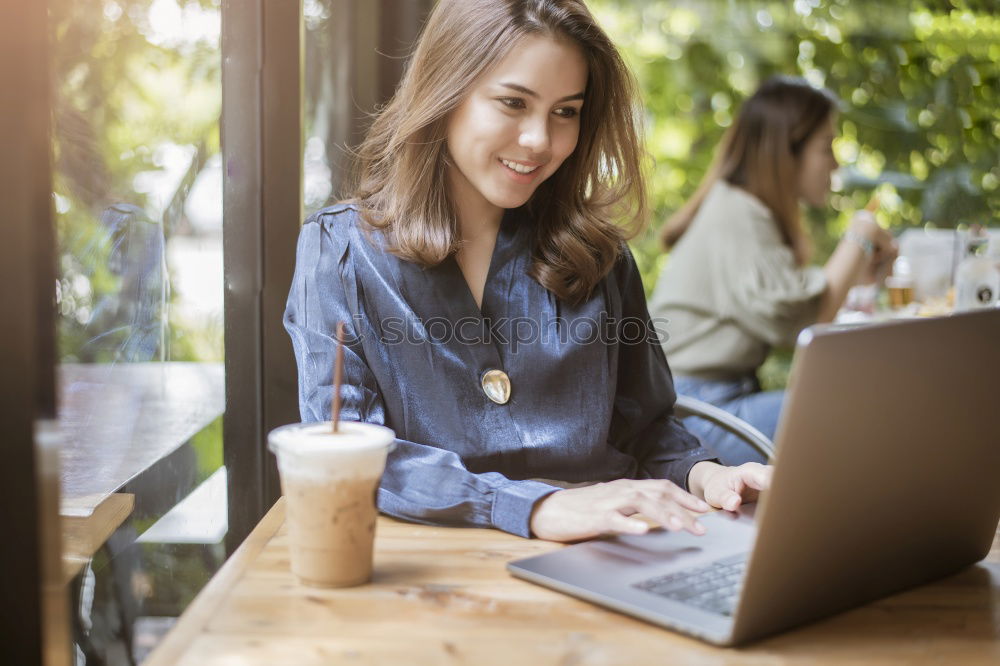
(643, 422)
(422, 483)
(772, 297)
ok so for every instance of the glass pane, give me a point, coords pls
(138, 196)
(355, 53)
(326, 128)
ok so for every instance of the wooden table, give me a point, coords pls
(82, 536)
(121, 419)
(442, 596)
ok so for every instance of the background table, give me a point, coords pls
(443, 596)
(120, 420)
(84, 535)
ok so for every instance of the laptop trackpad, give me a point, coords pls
(727, 533)
(617, 571)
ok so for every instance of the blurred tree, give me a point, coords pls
(136, 100)
(919, 82)
(137, 92)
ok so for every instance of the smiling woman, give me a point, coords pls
(484, 223)
(506, 139)
(455, 67)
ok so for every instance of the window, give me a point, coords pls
(138, 201)
(168, 269)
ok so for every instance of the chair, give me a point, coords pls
(687, 406)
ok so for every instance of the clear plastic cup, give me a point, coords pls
(329, 482)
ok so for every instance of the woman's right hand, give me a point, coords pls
(863, 224)
(606, 508)
(853, 262)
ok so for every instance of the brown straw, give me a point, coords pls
(338, 371)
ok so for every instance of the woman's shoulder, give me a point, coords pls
(624, 272)
(343, 225)
(739, 212)
(342, 215)
(726, 198)
(337, 236)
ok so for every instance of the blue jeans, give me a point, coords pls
(741, 398)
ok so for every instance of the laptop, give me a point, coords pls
(886, 476)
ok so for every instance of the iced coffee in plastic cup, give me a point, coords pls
(329, 482)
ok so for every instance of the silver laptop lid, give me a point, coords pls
(888, 468)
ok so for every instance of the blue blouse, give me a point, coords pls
(591, 394)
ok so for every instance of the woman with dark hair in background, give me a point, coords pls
(738, 281)
(478, 270)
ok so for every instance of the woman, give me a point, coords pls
(737, 281)
(483, 285)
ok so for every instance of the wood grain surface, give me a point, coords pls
(443, 596)
(83, 536)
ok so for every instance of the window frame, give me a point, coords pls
(261, 129)
(34, 607)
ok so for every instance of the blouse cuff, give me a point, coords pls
(680, 469)
(513, 504)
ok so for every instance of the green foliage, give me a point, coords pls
(919, 83)
(122, 92)
(207, 447)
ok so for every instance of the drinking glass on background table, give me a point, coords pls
(900, 290)
(329, 480)
(899, 285)
(932, 255)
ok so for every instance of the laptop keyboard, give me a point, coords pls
(713, 587)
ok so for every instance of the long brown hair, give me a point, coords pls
(402, 163)
(759, 154)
